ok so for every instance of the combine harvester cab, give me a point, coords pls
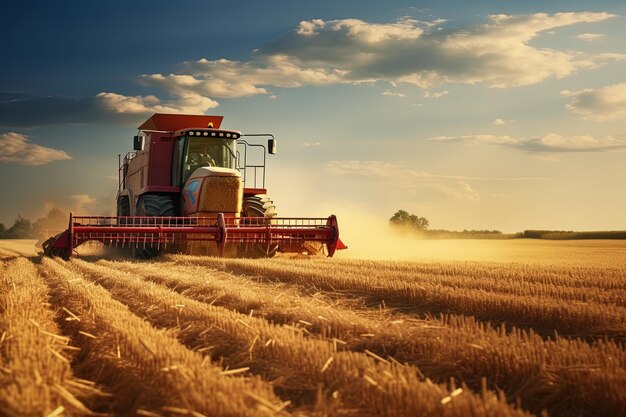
(191, 187)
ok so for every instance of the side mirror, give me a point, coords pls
(138, 143)
(271, 146)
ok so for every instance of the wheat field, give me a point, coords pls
(542, 333)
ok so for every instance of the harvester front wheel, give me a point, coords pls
(152, 205)
(259, 205)
(123, 209)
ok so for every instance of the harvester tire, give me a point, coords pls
(259, 205)
(153, 205)
(123, 208)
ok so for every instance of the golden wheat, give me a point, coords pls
(560, 283)
(35, 374)
(366, 383)
(145, 367)
(544, 315)
(273, 301)
(518, 362)
(316, 337)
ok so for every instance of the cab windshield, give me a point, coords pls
(213, 152)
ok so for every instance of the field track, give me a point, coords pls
(195, 336)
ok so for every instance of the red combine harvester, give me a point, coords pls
(191, 187)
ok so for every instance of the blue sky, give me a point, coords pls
(474, 114)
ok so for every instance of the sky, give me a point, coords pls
(473, 114)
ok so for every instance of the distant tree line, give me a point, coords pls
(23, 228)
(405, 223)
(567, 235)
(468, 234)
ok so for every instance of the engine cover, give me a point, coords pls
(212, 190)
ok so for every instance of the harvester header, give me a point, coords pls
(194, 188)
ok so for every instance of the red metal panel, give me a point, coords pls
(161, 149)
(158, 189)
(146, 229)
(254, 191)
(160, 163)
(174, 122)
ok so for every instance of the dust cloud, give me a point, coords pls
(369, 237)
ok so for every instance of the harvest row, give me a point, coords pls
(518, 362)
(300, 366)
(425, 296)
(35, 373)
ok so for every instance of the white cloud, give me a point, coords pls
(187, 102)
(17, 110)
(589, 37)
(312, 144)
(231, 79)
(607, 103)
(398, 177)
(16, 149)
(437, 94)
(392, 94)
(405, 29)
(551, 142)
(497, 53)
(499, 122)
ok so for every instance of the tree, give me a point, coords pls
(403, 220)
(3, 230)
(21, 229)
